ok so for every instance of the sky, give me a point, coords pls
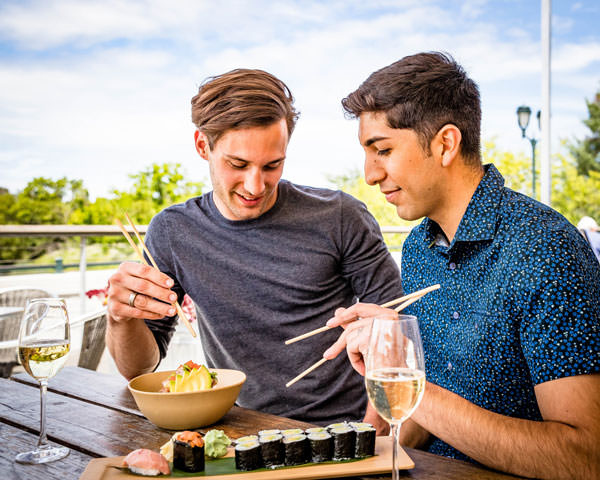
(100, 89)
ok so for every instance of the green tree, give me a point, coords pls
(587, 151)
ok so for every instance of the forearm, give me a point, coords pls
(541, 449)
(132, 346)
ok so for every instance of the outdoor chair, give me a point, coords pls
(93, 342)
(9, 325)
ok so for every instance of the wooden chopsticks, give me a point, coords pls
(180, 312)
(407, 300)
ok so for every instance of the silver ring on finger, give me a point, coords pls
(132, 296)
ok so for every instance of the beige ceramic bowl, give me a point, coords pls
(187, 410)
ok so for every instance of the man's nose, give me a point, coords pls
(374, 173)
(254, 183)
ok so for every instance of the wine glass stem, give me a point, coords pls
(43, 440)
(395, 451)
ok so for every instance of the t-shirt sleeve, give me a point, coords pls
(560, 332)
(366, 261)
(157, 242)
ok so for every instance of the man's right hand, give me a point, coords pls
(154, 299)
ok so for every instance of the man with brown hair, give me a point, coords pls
(512, 337)
(263, 259)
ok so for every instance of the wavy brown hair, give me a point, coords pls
(424, 92)
(242, 98)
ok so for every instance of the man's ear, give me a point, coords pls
(447, 143)
(202, 144)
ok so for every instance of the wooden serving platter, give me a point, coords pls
(108, 468)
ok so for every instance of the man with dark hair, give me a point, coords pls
(263, 260)
(512, 337)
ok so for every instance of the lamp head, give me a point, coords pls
(523, 115)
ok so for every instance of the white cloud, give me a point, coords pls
(100, 89)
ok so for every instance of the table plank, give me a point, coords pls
(15, 441)
(98, 388)
(111, 391)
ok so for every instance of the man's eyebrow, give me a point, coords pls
(240, 159)
(372, 140)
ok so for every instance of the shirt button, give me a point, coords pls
(455, 315)
(449, 367)
(452, 266)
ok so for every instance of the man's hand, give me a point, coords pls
(356, 322)
(154, 299)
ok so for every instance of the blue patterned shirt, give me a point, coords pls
(519, 302)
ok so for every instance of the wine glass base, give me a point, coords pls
(42, 455)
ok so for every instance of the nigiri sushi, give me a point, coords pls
(146, 462)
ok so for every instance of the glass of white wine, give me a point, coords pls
(395, 372)
(44, 342)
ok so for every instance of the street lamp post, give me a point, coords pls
(523, 116)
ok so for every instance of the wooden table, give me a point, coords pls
(95, 415)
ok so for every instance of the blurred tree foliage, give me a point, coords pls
(587, 151)
(45, 201)
(573, 195)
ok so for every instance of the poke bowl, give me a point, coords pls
(190, 409)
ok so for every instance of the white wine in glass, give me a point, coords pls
(395, 372)
(44, 343)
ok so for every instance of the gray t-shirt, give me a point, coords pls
(259, 282)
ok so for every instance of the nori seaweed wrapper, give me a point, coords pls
(188, 458)
(321, 446)
(296, 449)
(272, 450)
(344, 439)
(248, 455)
(365, 442)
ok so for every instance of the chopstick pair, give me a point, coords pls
(180, 312)
(407, 300)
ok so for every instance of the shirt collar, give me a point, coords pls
(479, 220)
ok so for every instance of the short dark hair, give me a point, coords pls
(423, 92)
(242, 98)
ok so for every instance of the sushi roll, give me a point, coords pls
(188, 452)
(365, 441)
(308, 431)
(272, 450)
(246, 438)
(296, 449)
(321, 446)
(336, 425)
(274, 431)
(248, 455)
(344, 439)
(356, 425)
(291, 431)
(146, 462)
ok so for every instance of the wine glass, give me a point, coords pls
(395, 372)
(44, 342)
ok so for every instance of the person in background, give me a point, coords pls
(262, 258)
(512, 337)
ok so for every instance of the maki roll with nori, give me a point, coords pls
(272, 450)
(188, 452)
(336, 425)
(308, 431)
(321, 446)
(365, 441)
(248, 455)
(356, 425)
(291, 431)
(273, 431)
(344, 439)
(246, 438)
(296, 449)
